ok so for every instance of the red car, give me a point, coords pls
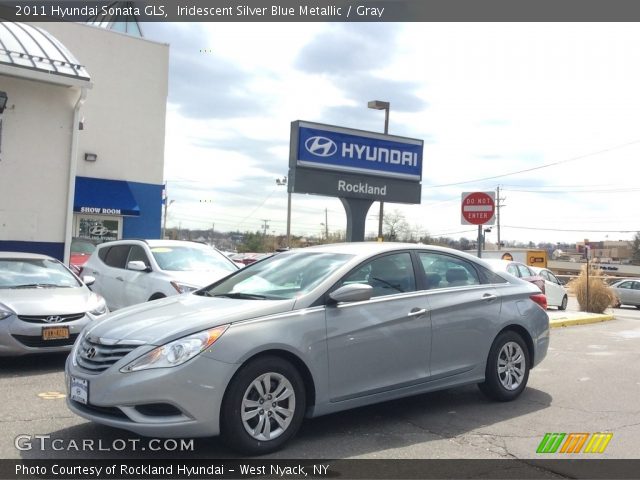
(81, 250)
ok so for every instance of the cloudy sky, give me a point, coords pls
(548, 112)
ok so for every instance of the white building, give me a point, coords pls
(82, 137)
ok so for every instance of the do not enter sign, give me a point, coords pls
(478, 208)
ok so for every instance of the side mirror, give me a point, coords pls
(138, 266)
(355, 292)
(88, 280)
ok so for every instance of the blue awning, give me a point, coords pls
(99, 196)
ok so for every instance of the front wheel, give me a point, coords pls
(507, 370)
(563, 305)
(263, 407)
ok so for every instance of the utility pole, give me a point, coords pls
(265, 226)
(326, 225)
(498, 205)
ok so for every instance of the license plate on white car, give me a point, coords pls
(79, 390)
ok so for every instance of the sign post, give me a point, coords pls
(478, 208)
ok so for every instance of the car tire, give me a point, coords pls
(156, 296)
(563, 305)
(251, 422)
(507, 370)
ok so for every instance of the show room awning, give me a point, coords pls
(98, 196)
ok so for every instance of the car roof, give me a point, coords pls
(24, 255)
(155, 243)
(366, 249)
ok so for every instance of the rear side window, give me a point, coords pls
(117, 256)
(443, 271)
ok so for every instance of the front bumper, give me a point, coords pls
(18, 337)
(193, 391)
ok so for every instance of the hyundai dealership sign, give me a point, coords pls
(342, 162)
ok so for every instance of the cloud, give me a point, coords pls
(201, 83)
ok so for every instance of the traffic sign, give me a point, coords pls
(478, 208)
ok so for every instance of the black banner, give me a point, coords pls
(321, 10)
(316, 469)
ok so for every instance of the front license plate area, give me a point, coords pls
(79, 390)
(55, 333)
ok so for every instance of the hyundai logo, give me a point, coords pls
(321, 146)
(53, 319)
(90, 352)
(98, 230)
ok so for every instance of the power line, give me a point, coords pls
(572, 230)
(553, 164)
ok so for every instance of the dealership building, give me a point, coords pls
(81, 135)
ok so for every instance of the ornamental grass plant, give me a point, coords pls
(601, 296)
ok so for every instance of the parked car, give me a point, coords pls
(306, 333)
(553, 288)
(519, 270)
(81, 250)
(135, 271)
(43, 306)
(628, 292)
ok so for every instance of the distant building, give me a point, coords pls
(82, 137)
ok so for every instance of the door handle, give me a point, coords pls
(489, 297)
(416, 312)
(120, 278)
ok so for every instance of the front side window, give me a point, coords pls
(137, 253)
(117, 256)
(387, 275)
(35, 273)
(625, 285)
(442, 271)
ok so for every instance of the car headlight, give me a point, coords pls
(100, 309)
(5, 313)
(177, 352)
(183, 287)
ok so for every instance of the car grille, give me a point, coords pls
(94, 356)
(51, 319)
(114, 412)
(34, 341)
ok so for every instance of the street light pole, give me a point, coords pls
(386, 106)
(283, 182)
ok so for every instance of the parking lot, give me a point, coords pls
(589, 382)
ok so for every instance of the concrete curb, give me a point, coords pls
(581, 318)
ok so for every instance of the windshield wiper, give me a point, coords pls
(241, 295)
(38, 285)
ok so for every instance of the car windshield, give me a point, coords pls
(192, 259)
(35, 273)
(283, 276)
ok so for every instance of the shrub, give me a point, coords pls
(600, 295)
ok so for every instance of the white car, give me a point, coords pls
(554, 288)
(128, 272)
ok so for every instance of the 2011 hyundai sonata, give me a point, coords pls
(306, 333)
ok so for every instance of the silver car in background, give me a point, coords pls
(307, 333)
(43, 306)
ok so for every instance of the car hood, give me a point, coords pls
(48, 301)
(198, 279)
(163, 320)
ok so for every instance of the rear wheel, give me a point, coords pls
(563, 305)
(507, 370)
(263, 407)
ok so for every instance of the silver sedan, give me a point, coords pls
(306, 333)
(628, 292)
(43, 306)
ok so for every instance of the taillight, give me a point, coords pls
(540, 299)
